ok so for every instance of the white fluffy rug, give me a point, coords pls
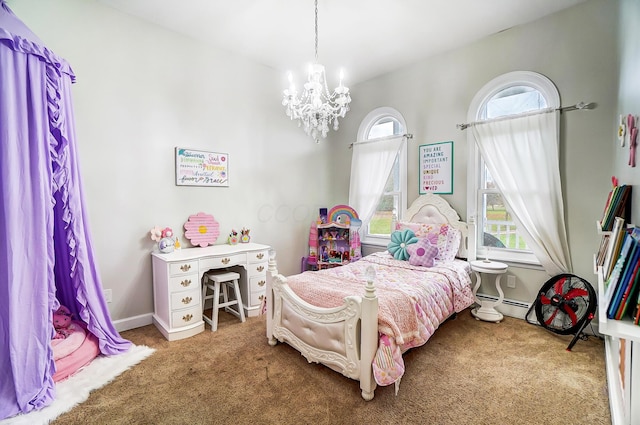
(75, 389)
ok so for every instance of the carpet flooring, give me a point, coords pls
(469, 372)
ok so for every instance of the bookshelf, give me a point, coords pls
(622, 356)
(622, 359)
(622, 337)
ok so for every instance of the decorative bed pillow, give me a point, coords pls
(445, 237)
(399, 241)
(422, 253)
(452, 246)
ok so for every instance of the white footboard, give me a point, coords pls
(344, 338)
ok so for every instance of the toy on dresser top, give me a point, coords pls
(165, 239)
(244, 237)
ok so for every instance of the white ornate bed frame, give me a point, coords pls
(344, 338)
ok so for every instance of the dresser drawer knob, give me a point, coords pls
(185, 267)
(186, 282)
(187, 300)
(260, 268)
(261, 297)
(187, 318)
(259, 256)
(225, 260)
(261, 283)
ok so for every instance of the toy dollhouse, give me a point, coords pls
(334, 239)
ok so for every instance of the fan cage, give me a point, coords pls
(564, 303)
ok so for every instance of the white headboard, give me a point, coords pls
(433, 209)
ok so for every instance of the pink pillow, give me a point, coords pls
(422, 253)
(452, 246)
(445, 237)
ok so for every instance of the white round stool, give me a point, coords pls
(229, 281)
(487, 310)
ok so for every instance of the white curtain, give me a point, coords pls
(371, 163)
(522, 156)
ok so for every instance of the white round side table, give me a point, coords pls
(487, 311)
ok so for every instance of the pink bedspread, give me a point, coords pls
(413, 301)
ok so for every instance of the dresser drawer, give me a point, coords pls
(256, 298)
(185, 299)
(186, 317)
(258, 256)
(257, 269)
(180, 283)
(257, 283)
(183, 268)
(223, 261)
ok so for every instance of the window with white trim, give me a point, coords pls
(381, 123)
(513, 93)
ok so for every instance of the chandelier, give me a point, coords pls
(316, 109)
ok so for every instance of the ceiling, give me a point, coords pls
(366, 38)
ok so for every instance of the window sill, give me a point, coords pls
(378, 242)
(513, 258)
(522, 265)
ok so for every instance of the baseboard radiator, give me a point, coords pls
(518, 309)
(511, 308)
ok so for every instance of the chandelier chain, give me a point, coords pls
(316, 30)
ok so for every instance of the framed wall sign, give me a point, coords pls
(201, 168)
(436, 168)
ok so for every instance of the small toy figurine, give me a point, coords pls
(62, 322)
(167, 243)
(233, 237)
(245, 238)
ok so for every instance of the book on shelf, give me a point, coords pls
(622, 288)
(635, 316)
(628, 259)
(612, 282)
(613, 248)
(629, 296)
(602, 250)
(618, 205)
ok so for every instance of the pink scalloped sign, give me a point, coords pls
(202, 229)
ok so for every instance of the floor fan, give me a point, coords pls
(565, 305)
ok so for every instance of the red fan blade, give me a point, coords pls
(544, 300)
(558, 286)
(575, 292)
(571, 313)
(553, 316)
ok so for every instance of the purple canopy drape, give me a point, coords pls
(46, 257)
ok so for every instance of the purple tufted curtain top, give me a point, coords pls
(46, 257)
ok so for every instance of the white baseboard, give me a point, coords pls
(133, 322)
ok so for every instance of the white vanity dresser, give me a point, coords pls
(177, 277)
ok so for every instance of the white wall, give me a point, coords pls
(629, 96)
(576, 49)
(140, 92)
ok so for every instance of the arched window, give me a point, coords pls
(513, 93)
(379, 125)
